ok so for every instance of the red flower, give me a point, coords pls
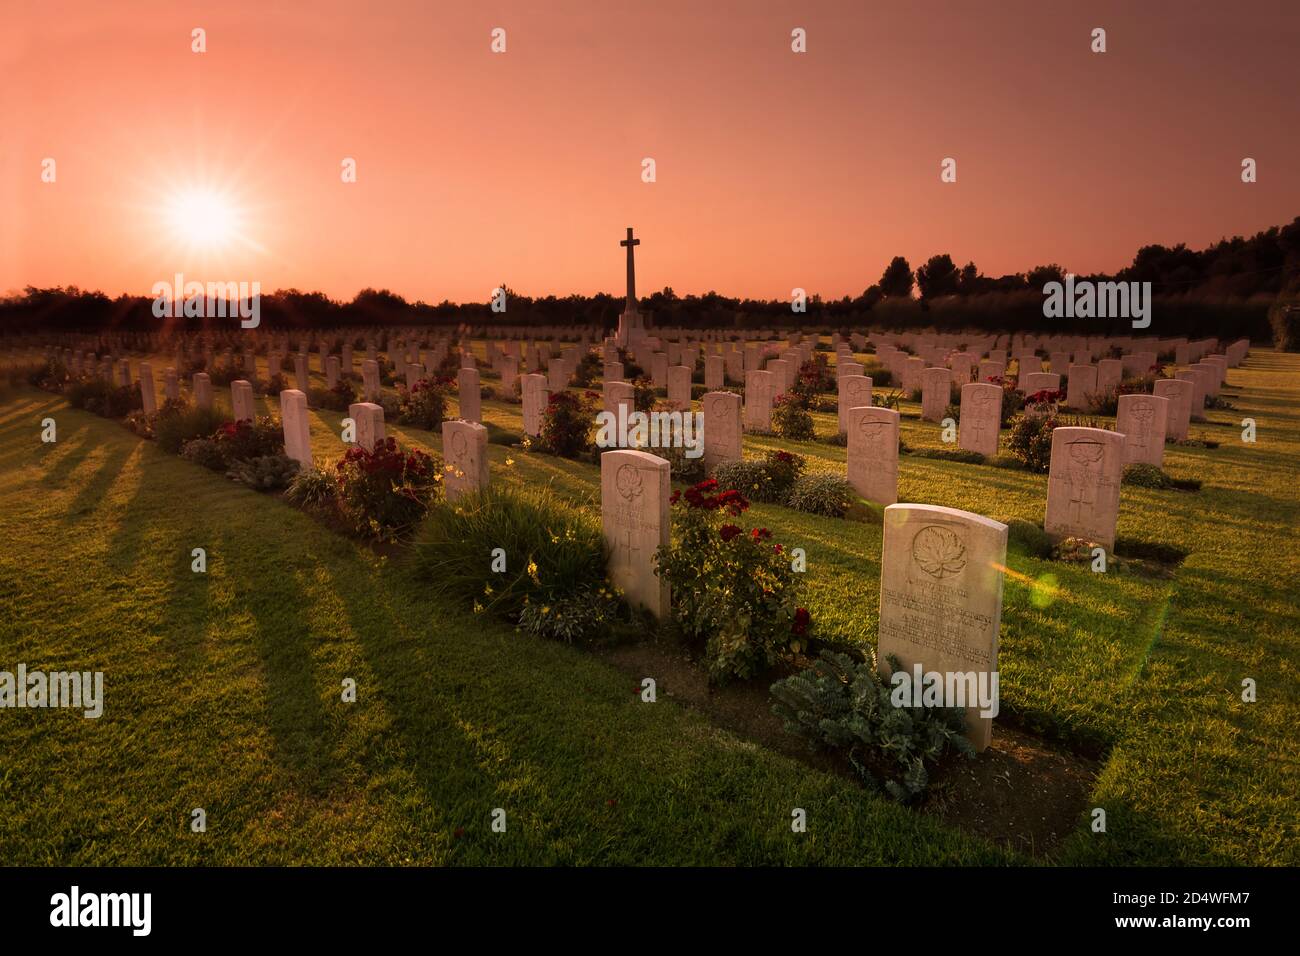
(676, 497)
(777, 548)
(761, 534)
(801, 621)
(729, 531)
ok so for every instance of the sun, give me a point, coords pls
(203, 219)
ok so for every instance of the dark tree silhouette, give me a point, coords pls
(897, 279)
(937, 277)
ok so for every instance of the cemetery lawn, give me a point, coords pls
(223, 689)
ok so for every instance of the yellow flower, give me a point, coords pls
(509, 462)
(545, 609)
(532, 569)
(478, 608)
(487, 589)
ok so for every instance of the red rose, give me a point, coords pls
(729, 531)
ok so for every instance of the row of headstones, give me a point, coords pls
(941, 572)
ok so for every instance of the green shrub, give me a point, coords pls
(424, 405)
(822, 493)
(1029, 538)
(553, 551)
(385, 492)
(141, 423)
(179, 422)
(769, 479)
(1030, 441)
(250, 438)
(205, 452)
(963, 455)
(568, 422)
(581, 616)
(104, 398)
(265, 472)
(1145, 476)
(312, 489)
(733, 591)
(337, 399)
(791, 420)
(844, 704)
(682, 467)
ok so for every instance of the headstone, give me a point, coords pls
(368, 420)
(1083, 485)
(297, 430)
(613, 372)
(202, 390)
(300, 372)
(941, 599)
(464, 452)
(533, 389)
(679, 387)
(1036, 382)
(714, 372)
(634, 488)
(1082, 383)
(779, 369)
(241, 401)
(370, 387)
(936, 393)
(332, 373)
(470, 395)
(758, 401)
(854, 392)
(1142, 420)
(981, 417)
(873, 453)
(147, 395)
(171, 385)
(723, 435)
(1179, 395)
(1110, 372)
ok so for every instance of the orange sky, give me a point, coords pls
(774, 169)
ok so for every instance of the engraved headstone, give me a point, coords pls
(533, 389)
(723, 435)
(147, 395)
(464, 452)
(1142, 420)
(634, 490)
(936, 393)
(202, 390)
(758, 400)
(873, 453)
(368, 419)
(1179, 394)
(941, 599)
(981, 416)
(1083, 485)
(854, 392)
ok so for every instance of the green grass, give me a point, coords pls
(223, 690)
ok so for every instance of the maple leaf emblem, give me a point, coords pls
(939, 552)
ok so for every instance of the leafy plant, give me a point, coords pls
(843, 704)
(568, 422)
(822, 493)
(250, 438)
(312, 488)
(580, 616)
(178, 423)
(790, 419)
(734, 591)
(383, 493)
(424, 404)
(205, 452)
(552, 551)
(265, 472)
(1030, 441)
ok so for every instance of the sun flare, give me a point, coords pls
(203, 219)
